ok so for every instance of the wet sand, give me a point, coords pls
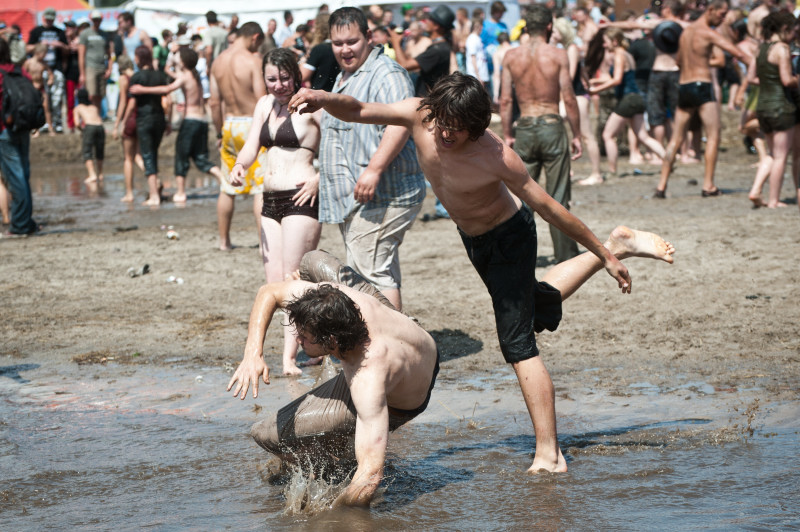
(708, 347)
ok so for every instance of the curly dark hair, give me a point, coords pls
(330, 317)
(775, 22)
(459, 101)
(286, 61)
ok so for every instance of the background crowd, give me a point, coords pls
(428, 43)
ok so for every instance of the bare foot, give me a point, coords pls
(778, 205)
(541, 465)
(591, 180)
(625, 242)
(127, 198)
(757, 201)
(100, 177)
(226, 246)
(689, 160)
(179, 198)
(152, 202)
(292, 370)
(90, 179)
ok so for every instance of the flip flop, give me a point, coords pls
(715, 192)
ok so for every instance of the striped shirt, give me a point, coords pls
(346, 148)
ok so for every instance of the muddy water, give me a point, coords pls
(160, 448)
(65, 203)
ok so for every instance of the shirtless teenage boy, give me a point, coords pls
(696, 92)
(481, 181)
(41, 74)
(538, 73)
(390, 365)
(236, 85)
(192, 141)
(87, 117)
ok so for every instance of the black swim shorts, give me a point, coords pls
(772, 122)
(279, 204)
(693, 95)
(630, 105)
(505, 259)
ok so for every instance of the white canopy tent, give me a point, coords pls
(153, 16)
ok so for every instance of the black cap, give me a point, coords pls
(666, 36)
(443, 16)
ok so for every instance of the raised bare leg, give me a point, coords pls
(623, 242)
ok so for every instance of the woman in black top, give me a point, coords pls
(150, 119)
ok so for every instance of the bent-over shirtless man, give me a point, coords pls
(696, 92)
(389, 367)
(539, 74)
(236, 85)
(480, 181)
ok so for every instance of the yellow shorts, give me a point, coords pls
(234, 134)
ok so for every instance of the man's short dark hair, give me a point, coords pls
(345, 16)
(287, 15)
(459, 101)
(537, 18)
(248, 29)
(330, 317)
(211, 17)
(128, 17)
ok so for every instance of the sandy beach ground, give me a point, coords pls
(723, 318)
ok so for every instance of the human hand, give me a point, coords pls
(365, 187)
(509, 140)
(136, 89)
(82, 80)
(313, 100)
(115, 133)
(308, 192)
(577, 148)
(618, 271)
(236, 175)
(168, 128)
(248, 372)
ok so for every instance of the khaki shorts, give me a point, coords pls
(95, 82)
(372, 238)
(234, 134)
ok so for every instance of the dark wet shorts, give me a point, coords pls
(662, 96)
(279, 204)
(192, 143)
(505, 259)
(693, 95)
(630, 105)
(772, 122)
(398, 417)
(93, 143)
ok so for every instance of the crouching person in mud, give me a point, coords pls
(389, 368)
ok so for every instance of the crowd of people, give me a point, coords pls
(342, 119)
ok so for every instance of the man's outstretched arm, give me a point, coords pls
(270, 297)
(349, 109)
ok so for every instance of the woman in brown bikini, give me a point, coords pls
(289, 226)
